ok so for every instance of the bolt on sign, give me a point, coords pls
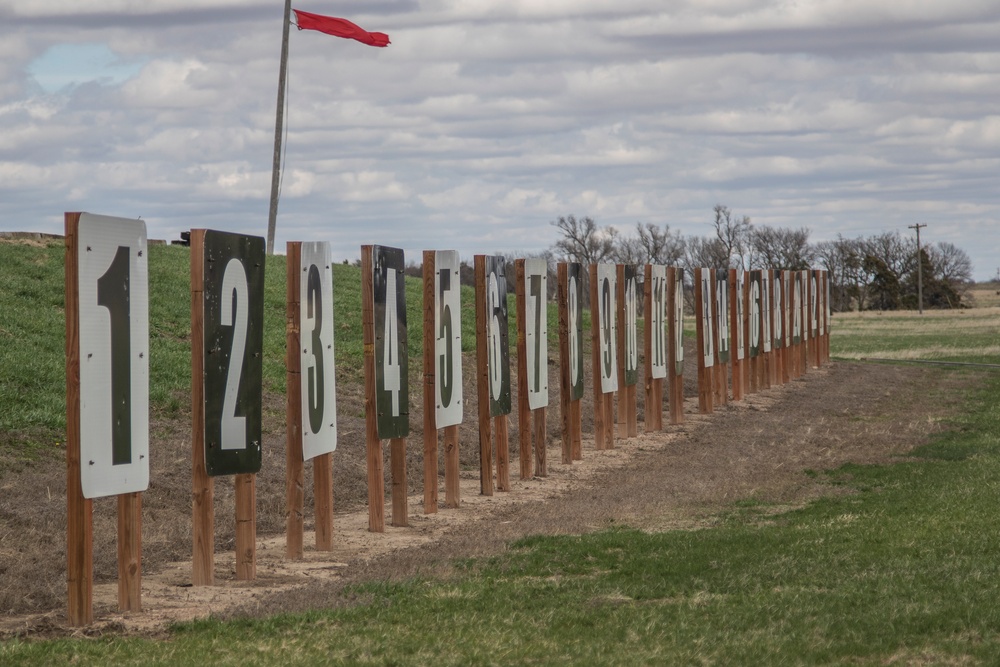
(631, 333)
(392, 391)
(317, 377)
(573, 272)
(678, 321)
(233, 293)
(722, 315)
(448, 404)
(658, 358)
(113, 296)
(755, 305)
(497, 335)
(607, 279)
(536, 331)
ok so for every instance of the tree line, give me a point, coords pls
(876, 272)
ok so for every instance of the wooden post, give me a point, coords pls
(501, 436)
(323, 500)
(246, 526)
(482, 381)
(654, 386)
(373, 444)
(294, 462)
(79, 510)
(397, 461)
(452, 490)
(523, 409)
(675, 346)
(804, 346)
(541, 467)
(737, 351)
(703, 324)
(565, 387)
(130, 551)
(203, 486)
(430, 400)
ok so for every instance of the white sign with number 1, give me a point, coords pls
(114, 355)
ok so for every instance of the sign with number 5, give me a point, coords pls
(113, 299)
(233, 296)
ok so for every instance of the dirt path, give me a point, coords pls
(681, 478)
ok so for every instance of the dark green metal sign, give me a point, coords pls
(497, 335)
(574, 272)
(631, 333)
(392, 391)
(233, 319)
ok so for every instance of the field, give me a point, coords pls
(847, 518)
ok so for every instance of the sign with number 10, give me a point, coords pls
(392, 391)
(536, 331)
(233, 297)
(677, 323)
(631, 333)
(447, 339)
(317, 377)
(114, 355)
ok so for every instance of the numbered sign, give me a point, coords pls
(754, 305)
(722, 315)
(765, 310)
(392, 390)
(658, 327)
(497, 335)
(777, 311)
(796, 307)
(607, 279)
(317, 377)
(813, 304)
(575, 288)
(631, 333)
(826, 300)
(114, 355)
(786, 289)
(448, 404)
(233, 292)
(741, 352)
(678, 321)
(536, 272)
(708, 335)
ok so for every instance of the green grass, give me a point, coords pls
(959, 335)
(902, 568)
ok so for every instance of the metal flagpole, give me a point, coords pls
(278, 124)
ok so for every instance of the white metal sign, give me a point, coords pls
(708, 335)
(658, 326)
(740, 342)
(317, 368)
(447, 339)
(114, 355)
(778, 311)
(765, 308)
(813, 307)
(536, 331)
(607, 279)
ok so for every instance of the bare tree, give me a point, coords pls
(734, 235)
(953, 266)
(583, 240)
(782, 248)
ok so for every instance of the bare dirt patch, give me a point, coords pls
(763, 449)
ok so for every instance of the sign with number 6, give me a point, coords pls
(233, 295)
(113, 297)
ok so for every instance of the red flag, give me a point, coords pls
(339, 28)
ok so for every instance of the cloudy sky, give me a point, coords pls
(487, 119)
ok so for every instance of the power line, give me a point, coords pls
(920, 272)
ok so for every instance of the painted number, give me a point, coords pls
(113, 293)
(535, 294)
(493, 308)
(234, 289)
(658, 342)
(606, 342)
(390, 342)
(574, 334)
(631, 326)
(754, 315)
(316, 380)
(446, 364)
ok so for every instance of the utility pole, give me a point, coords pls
(272, 217)
(920, 270)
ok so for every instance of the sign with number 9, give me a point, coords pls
(607, 277)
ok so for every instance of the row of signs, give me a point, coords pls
(114, 344)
